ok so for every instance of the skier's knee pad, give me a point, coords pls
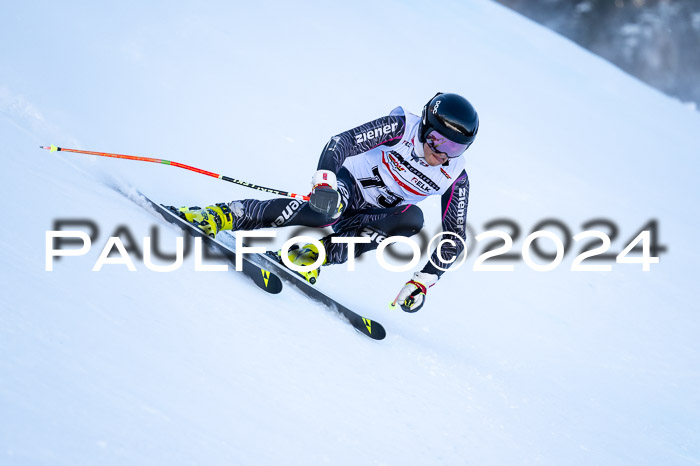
(406, 222)
(411, 220)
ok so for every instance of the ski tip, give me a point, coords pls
(372, 329)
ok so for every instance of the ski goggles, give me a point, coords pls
(439, 143)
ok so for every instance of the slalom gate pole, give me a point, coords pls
(300, 197)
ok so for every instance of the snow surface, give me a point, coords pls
(122, 367)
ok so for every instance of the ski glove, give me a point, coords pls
(412, 295)
(325, 197)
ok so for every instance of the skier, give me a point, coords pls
(367, 182)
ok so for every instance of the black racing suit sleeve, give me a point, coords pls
(386, 131)
(454, 220)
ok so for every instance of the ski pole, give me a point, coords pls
(301, 197)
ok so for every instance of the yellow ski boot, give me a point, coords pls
(302, 256)
(211, 220)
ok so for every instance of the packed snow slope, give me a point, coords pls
(523, 367)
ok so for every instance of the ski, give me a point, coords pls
(260, 275)
(268, 273)
(364, 325)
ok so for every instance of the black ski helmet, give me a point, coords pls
(450, 115)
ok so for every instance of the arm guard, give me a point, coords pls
(454, 220)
